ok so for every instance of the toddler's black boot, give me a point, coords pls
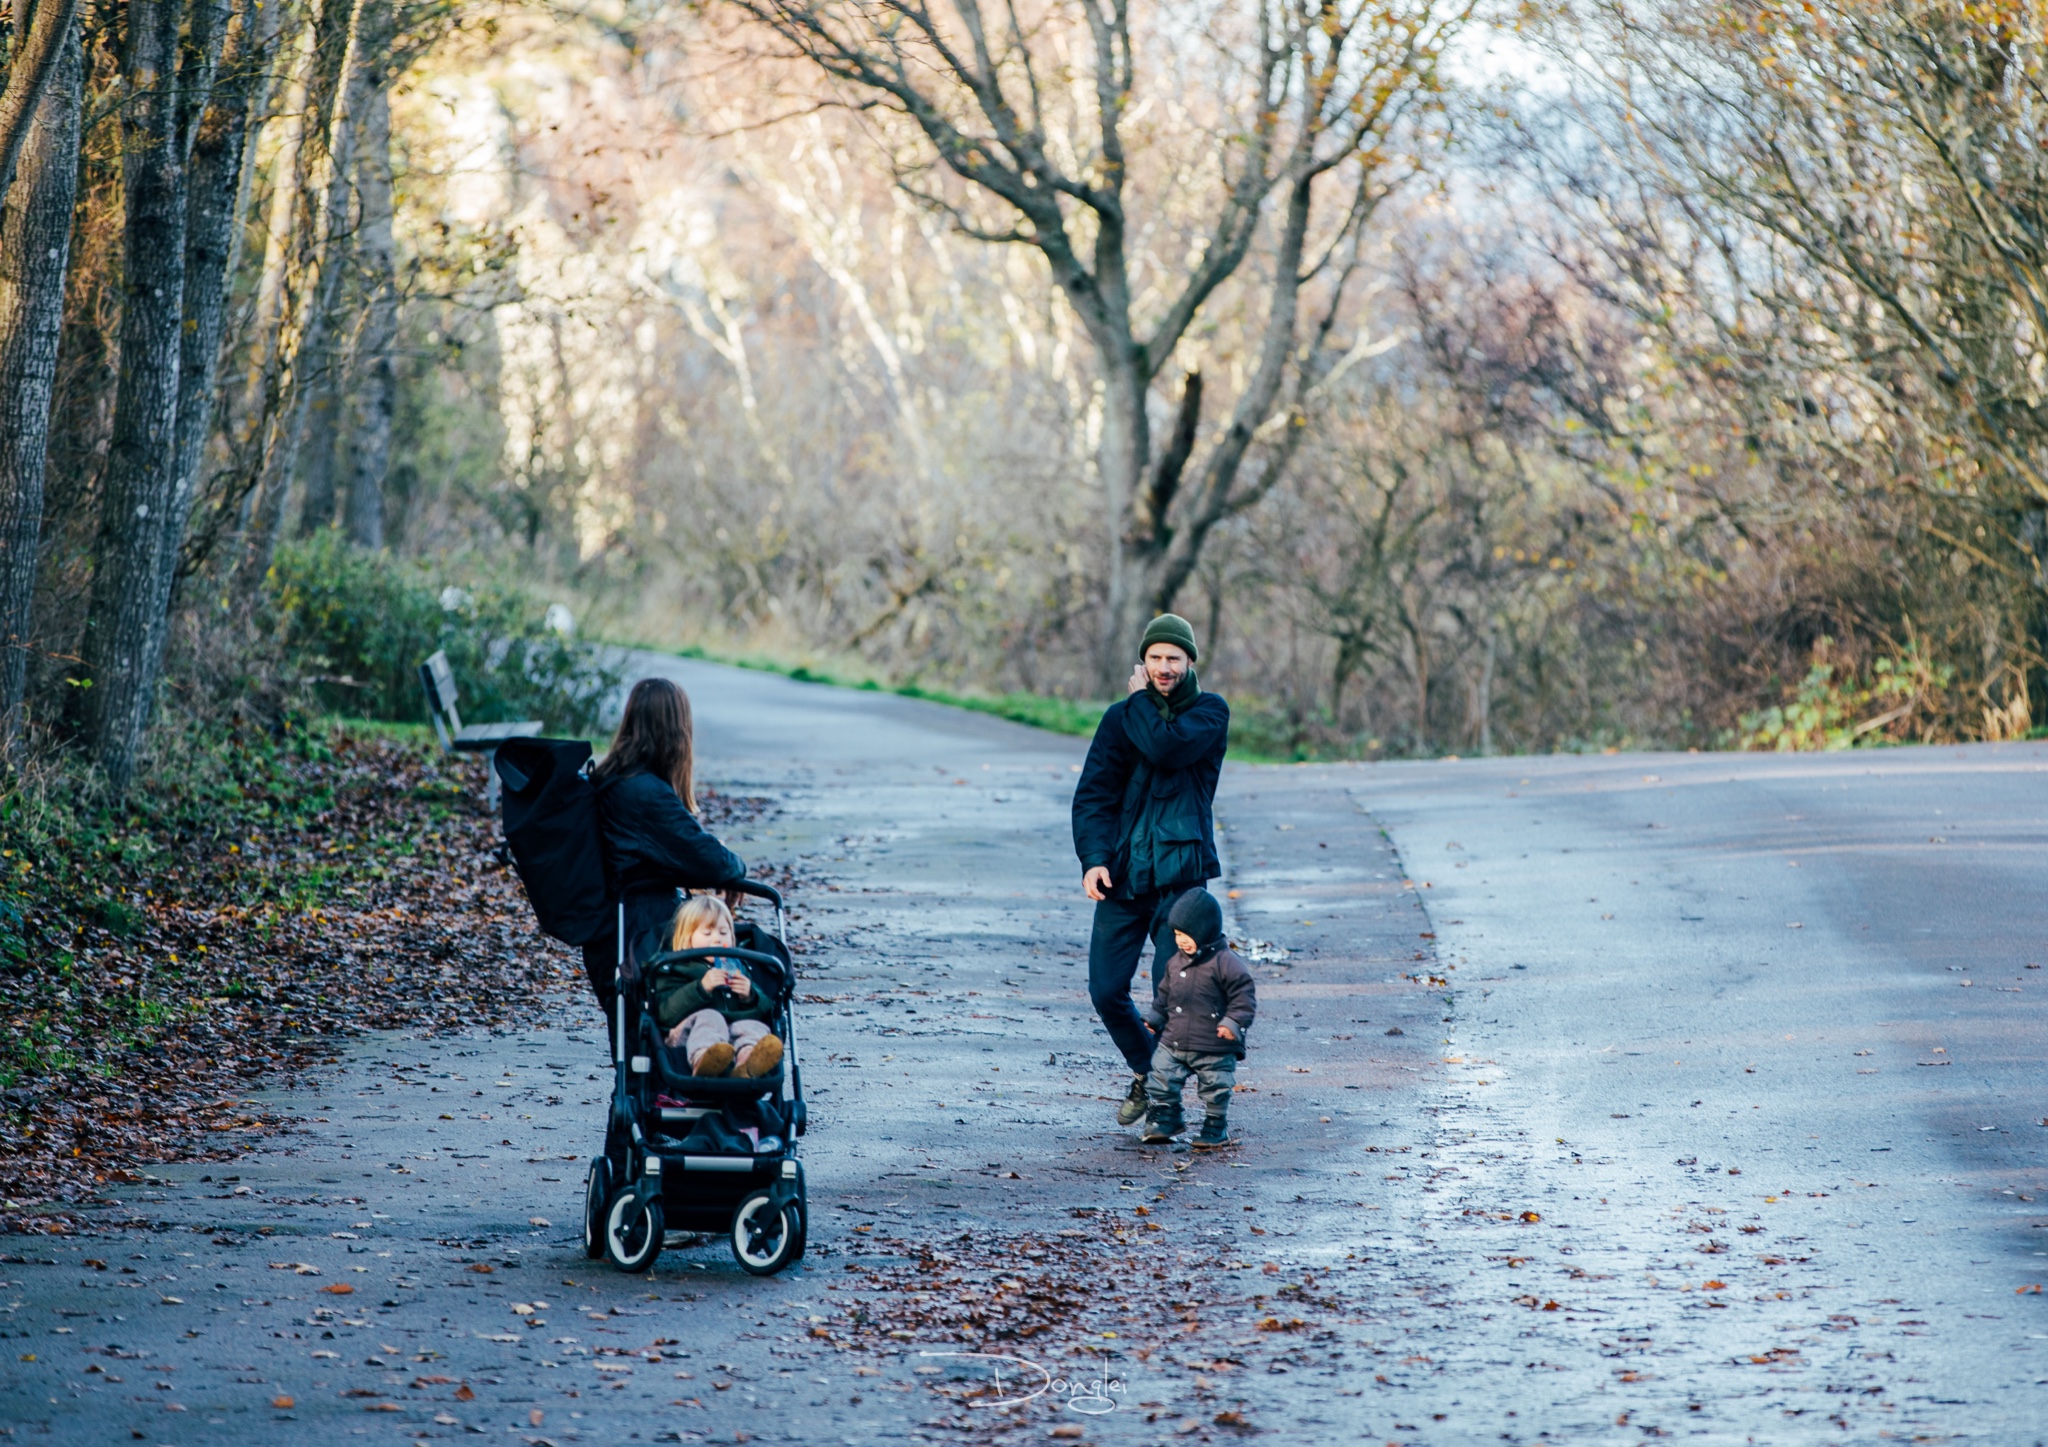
(1161, 1128)
(1215, 1134)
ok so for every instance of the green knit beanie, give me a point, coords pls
(1170, 628)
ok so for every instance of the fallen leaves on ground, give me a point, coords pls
(367, 894)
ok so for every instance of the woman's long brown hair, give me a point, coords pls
(655, 734)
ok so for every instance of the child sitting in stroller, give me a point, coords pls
(710, 1008)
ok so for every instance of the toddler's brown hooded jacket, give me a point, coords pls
(1204, 989)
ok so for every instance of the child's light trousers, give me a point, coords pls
(707, 1028)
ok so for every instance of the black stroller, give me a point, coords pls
(694, 1153)
(691, 1153)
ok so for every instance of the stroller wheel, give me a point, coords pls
(803, 1223)
(632, 1232)
(765, 1240)
(597, 1194)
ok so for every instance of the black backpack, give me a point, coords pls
(550, 812)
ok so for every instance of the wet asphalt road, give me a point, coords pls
(1768, 1035)
(1413, 1096)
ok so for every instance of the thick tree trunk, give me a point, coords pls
(1420, 644)
(373, 395)
(306, 351)
(1122, 458)
(288, 178)
(35, 249)
(246, 421)
(1482, 701)
(212, 227)
(320, 452)
(41, 34)
(141, 461)
(253, 410)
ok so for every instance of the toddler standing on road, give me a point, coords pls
(1201, 1011)
(709, 1007)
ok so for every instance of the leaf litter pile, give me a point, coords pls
(213, 963)
(1085, 1308)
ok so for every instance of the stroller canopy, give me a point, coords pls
(551, 827)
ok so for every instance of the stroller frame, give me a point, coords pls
(650, 1178)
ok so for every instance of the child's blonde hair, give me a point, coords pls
(696, 911)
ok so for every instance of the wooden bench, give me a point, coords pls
(437, 680)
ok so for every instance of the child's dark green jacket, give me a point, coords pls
(676, 988)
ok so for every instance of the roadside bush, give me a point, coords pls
(73, 862)
(356, 626)
(1904, 696)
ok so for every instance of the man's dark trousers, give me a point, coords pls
(1122, 928)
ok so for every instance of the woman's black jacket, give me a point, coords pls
(654, 848)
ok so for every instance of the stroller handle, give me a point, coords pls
(726, 952)
(756, 889)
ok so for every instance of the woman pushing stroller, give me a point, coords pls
(707, 1096)
(647, 816)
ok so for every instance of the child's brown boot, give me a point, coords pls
(716, 1060)
(764, 1057)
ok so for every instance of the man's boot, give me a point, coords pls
(1133, 1104)
(1215, 1134)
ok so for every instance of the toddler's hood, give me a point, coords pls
(1197, 915)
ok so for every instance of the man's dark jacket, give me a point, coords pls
(653, 847)
(1148, 772)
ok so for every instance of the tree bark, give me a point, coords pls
(373, 397)
(1483, 695)
(212, 226)
(141, 461)
(319, 452)
(35, 250)
(305, 350)
(1120, 460)
(288, 177)
(250, 405)
(253, 409)
(41, 36)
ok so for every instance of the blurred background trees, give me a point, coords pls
(1571, 375)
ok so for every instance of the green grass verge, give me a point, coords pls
(379, 728)
(1037, 710)
(1057, 715)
